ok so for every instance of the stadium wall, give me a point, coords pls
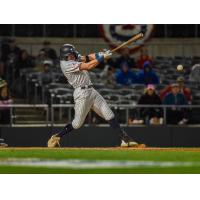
(103, 136)
(157, 46)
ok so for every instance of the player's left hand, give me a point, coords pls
(101, 56)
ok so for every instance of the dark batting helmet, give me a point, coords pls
(66, 50)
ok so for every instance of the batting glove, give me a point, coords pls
(99, 56)
(107, 54)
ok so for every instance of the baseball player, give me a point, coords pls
(75, 68)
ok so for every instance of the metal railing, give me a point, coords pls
(127, 108)
(11, 108)
(50, 112)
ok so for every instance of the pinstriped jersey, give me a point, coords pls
(75, 76)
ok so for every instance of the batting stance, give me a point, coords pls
(75, 68)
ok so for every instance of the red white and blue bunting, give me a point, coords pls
(115, 34)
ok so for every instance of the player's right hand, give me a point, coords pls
(107, 54)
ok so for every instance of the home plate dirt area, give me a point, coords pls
(109, 148)
(99, 160)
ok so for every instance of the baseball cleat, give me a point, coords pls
(54, 141)
(127, 141)
(132, 144)
(3, 145)
(129, 144)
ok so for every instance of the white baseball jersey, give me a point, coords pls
(85, 99)
(75, 77)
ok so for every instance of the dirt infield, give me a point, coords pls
(107, 148)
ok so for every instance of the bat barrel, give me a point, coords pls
(133, 39)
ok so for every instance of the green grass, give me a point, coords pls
(92, 154)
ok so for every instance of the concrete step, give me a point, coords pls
(29, 117)
(19, 101)
(31, 122)
(29, 112)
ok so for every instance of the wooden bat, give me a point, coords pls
(133, 39)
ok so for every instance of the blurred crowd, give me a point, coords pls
(172, 96)
(123, 70)
(14, 60)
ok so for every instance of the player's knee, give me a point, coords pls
(109, 116)
(77, 124)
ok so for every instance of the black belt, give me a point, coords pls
(86, 87)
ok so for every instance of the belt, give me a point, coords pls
(86, 87)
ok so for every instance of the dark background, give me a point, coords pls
(81, 30)
(157, 136)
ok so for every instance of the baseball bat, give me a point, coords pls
(133, 39)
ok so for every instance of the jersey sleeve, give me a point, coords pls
(70, 66)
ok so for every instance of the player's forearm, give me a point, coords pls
(88, 66)
(88, 58)
(92, 56)
(99, 57)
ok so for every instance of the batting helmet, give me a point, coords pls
(66, 50)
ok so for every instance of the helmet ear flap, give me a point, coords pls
(67, 49)
(77, 55)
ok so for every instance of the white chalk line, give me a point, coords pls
(92, 164)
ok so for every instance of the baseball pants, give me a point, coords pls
(87, 99)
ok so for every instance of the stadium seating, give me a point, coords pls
(60, 92)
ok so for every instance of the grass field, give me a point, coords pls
(99, 160)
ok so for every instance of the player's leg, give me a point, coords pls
(81, 110)
(101, 107)
(82, 107)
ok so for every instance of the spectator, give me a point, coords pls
(5, 100)
(40, 60)
(25, 61)
(9, 51)
(41, 78)
(183, 89)
(9, 55)
(143, 58)
(50, 53)
(125, 58)
(46, 76)
(125, 76)
(108, 74)
(2, 69)
(150, 97)
(195, 73)
(176, 115)
(147, 75)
